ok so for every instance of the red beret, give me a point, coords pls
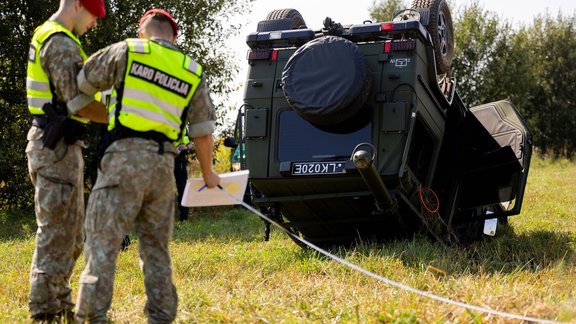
(164, 13)
(96, 7)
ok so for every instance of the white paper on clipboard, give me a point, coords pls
(233, 186)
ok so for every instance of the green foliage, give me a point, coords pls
(553, 109)
(18, 18)
(204, 25)
(383, 10)
(480, 36)
(533, 66)
(225, 272)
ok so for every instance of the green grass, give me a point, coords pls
(226, 273)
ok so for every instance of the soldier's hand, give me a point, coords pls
(212, 179)
(95, 111)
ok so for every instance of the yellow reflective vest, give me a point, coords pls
(38, 90)
(158, 86)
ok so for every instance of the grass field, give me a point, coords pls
(226, 273)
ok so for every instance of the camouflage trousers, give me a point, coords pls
(57, 176)
(135, 187)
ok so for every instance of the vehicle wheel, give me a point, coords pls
(327, 80)
(282, 19)
(441, 29)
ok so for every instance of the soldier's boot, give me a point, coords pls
(44, 318)
(66, 316)
(125, 243)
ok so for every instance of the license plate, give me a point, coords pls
(314, 168)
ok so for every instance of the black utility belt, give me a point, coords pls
(121, 132)
(41, 121)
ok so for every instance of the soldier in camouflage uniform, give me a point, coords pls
(158, 89)
(55, 57)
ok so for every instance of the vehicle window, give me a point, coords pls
(295, 144)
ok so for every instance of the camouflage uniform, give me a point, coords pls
(135, 186)
(57, 176)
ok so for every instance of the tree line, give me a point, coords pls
(532, 65)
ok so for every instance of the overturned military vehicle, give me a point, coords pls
(357, 132)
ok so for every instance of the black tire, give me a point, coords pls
(441, 29)
(292, 14)
(327, 81)
(282, 19)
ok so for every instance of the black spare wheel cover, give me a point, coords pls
(327, 80)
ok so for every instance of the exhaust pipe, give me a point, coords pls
(363, 162)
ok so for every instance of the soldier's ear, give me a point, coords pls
(78, 5)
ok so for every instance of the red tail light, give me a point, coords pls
(399, 45)
(387, 26)
(262, 54)
(387, 47)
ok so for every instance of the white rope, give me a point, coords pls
(389, 281)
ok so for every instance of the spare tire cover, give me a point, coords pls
(327, 80)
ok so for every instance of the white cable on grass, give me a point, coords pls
(389, 281)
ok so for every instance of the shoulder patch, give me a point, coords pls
(137, 45)
(192, 66)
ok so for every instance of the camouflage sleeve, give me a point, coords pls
(61, 59)
(104, 69)
(201, 113)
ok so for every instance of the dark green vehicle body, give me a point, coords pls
(436, 164)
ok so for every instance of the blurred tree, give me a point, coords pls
(510, 73)
(18, 18)
(534, 66)
(383, 10)
(552, 110)
(478, 36)
(204, 25)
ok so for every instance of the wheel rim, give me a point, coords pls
(443, 34)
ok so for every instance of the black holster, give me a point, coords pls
(57, 126)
